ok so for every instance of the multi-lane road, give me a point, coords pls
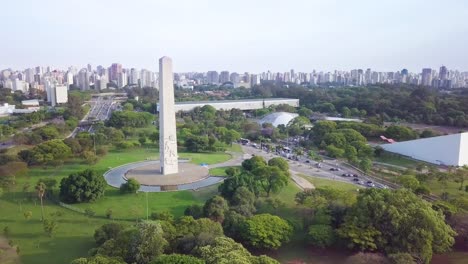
(328, 169)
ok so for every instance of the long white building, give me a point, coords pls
(245, 104)
(450, 150)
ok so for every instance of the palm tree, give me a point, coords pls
(41, 188)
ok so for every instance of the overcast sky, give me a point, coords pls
(236, 35)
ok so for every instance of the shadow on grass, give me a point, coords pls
(60, 250)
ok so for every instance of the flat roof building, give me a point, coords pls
(245, 104)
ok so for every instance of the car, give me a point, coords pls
(334, 169)
(307, 161)
(319, 165)
(355, 179)
(355, 175)
(361, 182)
(346, 174)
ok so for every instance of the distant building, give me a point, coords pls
(246, 104)
(224, 77)
(212, 77)
(6, 109)
(426, 77)
(83, 80)
(61, 94)
(278, 118)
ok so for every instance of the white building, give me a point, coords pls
(278, 118)
(20, 85)
(6, 109)
(450, 150)
(61, 94)
(246, 104)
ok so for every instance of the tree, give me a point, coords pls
(224, 250)
(334, 151)
(243, 201)
(321, 235)
(130, 186)
(461, 175)
(50, 226)
(271, 178)
(253, 163)
(379, 221)
(365, 164)
(265, 231)
(400, 133)
(150, 242)
(49, 152)
(177, 259)
(41, 189)
(409, 181)
(280, 163)
(84, 186)
(215, 208)
(127, 107)
(142, 140)
(195, 210)
(154, 137)
(193, 234)
(98, 260)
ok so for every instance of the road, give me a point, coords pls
(101, 109)
(308, 168)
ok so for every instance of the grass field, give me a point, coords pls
(320, 182)
(221, 171)
(74, 236)
(397, 160)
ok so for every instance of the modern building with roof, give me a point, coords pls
(278, 118)
(244, 104)
(449, 150)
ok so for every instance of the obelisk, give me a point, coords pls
(167, 122)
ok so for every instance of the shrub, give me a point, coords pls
(131, 186)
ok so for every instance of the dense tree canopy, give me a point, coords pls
(266, 231)
(380, 220)
(84, 186)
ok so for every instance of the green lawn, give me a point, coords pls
(75, 232)
(221, 171)
(320, 182)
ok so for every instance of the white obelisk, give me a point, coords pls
(167, 122)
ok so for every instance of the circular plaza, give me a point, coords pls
(148, 174)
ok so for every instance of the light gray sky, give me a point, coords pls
(236, 35)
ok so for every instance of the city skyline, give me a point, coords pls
(243, 36)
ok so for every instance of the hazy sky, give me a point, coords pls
(240, 35)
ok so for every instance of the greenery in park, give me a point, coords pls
(130, 186)
(51, 152)
(266, 231)
(226, 250)
(177, 259)
(380, 103)
(84, 186)
(120, 119)
(379, 221)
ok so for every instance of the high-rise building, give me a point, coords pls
(426, 76)
(114, 72)
(69, 78)
(212, 77)
(443, 73)
(234, 78)
(61, 94)
(224, 77)
(133, 78)
(83, 80)
(122, 80)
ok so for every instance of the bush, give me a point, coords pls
(106, 232)
(131, 186)
(84, 186)
(367, 258)
(177, 259)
